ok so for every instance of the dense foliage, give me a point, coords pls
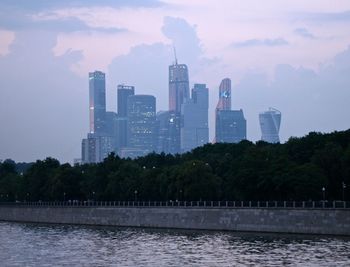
(295, 170)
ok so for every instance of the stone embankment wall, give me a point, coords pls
(278, 220)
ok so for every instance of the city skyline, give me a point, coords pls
(290, 55)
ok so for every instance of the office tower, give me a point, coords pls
(168, 132)
(96, 147)
(224, 95)
(231, 126)
(194, 113)
(99, 142)
(178, 86)
(97, 102)
(123, 91)
(142, 126)
(270, 122)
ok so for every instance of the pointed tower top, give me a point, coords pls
(175, 55)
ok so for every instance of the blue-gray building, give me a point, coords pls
(142, 125)
(123, 92)
(231, 126)
(168, 123)
(97, 102)
(100, 140)
(270, 122)
(194, 114)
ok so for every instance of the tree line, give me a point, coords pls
(312, 167)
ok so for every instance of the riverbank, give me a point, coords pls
(276, 220)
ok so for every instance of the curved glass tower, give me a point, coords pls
(270, 122)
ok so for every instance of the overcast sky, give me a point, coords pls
(292, 55)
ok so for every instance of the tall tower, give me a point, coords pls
(224, 95)
(97, 102)
(230, 125)
(194, 130)
(178, 86)
(142, 126)
(270, 122)
(123, 91)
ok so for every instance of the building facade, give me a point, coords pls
(178, 86)
(142, 125)
(231, 126)
(168, 123)
(270, 122)
(194, 114)
(97, 102)
(123, 92)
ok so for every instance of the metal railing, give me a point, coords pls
(189, 204)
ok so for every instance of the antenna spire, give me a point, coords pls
(175, 55)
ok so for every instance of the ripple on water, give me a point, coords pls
(62, 245)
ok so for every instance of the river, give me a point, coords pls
(24, 244)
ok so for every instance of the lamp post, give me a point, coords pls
(64, 196)
(343, 187)
(93, 196)
(324, 193)
(135, 192)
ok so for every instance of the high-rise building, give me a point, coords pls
(100, 141)
(96, 147)
(123, 91)
(231, 126)
(142, 125)
(224, 95)
(97, 102)
(270, 122)
(194, 113)
(168, 132)
(178, 86)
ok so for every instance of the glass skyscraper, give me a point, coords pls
(178, 86)
(168, 123)
(230, 125)
(270, 122)
(194, 112)
(123, 91)
(99, 142)
(142, 126)
(97, 102)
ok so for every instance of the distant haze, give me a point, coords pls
(290, 55)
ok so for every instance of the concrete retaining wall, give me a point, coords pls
(278, 220)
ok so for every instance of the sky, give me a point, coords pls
(292, 55)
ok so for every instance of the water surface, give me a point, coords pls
(63, 245)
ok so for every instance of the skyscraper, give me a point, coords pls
(178, 86)
(168, 132)
(224, 95)
(230, 125)
(123, 91)
(270, 122)
(142, 126)
(99, 142)
(194, 112)
(97, 102)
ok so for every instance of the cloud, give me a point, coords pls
(303, 32)
(40, 5)
(260, 42)
(21, 21)
(42, 103)
(326, 16)
(146, 65)
(309, 100)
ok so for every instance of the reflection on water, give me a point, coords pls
(59, 245)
